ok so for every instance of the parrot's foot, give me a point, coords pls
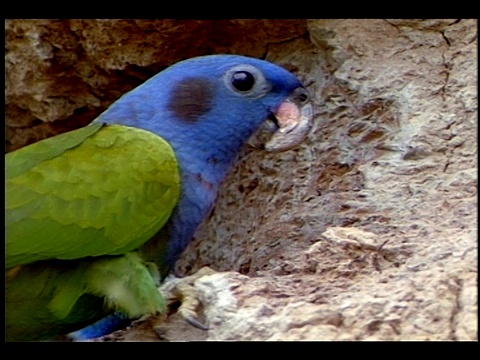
(182, 290)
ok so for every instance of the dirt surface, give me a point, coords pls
(367, 231)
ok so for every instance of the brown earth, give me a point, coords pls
(368, 231)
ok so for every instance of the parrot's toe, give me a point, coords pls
(182, 290)
(194, 322)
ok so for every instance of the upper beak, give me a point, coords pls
(294, 119)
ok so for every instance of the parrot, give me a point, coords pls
(97, 217)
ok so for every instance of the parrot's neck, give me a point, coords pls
(202, 175)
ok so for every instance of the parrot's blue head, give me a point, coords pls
(209, 106)
(223, 87)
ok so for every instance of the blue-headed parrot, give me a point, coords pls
(96, 217)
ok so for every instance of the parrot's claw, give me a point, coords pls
(176, 289)
(194, 322)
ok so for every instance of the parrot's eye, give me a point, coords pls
(247, 81)
(243, 80)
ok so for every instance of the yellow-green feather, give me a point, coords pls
(89, 196)
(126, 284)
(43, 300)
(90, 192)
(51, 298)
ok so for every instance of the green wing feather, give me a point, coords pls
(99, 190)
(45, 299)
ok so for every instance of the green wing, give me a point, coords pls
(99, 190)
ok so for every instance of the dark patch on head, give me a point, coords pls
(191, 98)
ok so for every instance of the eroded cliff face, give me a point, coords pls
(366, 231)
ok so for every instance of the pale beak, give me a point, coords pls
(295, 122)
(288, 126)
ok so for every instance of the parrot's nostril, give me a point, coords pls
(303, 97)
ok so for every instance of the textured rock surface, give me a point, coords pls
(368, 231)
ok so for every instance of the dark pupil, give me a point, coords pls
(243, 80)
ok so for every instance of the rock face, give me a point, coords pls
(368, 231)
